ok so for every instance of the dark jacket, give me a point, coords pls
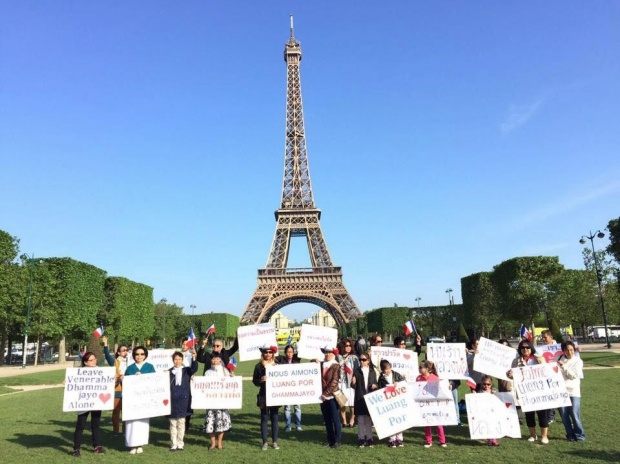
(360, 389)
(261, 397)
(330, 379)
(181, 395)
(282, 359)
(396, 377)
(205, 357)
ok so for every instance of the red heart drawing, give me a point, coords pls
(555, 369)
(165, 402)
(406, 356)
(104, 397)
(508, 404)
(557, 355)
(548, 355)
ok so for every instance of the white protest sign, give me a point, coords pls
(552, 352)
(313, 338)
(146, 395)
(293, 384)
(252, 337)
(433, 404)
(210, 392)
(540, 387)
(492, 416)
(390, 408)
(405, 362)
(89, 389)
(493, 358)
(450, 359)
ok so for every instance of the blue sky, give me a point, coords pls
(147, 138)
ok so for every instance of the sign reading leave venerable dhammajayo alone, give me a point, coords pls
(89, 389)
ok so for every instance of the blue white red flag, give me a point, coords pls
(471, 383)
(232, 364)
(526, 333)
(98, 332)
(409, 327)
(191, 338)
(211, 329)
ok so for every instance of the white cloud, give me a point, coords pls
(518, 115)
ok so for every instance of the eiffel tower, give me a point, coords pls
(279, 285)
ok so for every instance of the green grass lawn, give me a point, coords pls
(34, 428)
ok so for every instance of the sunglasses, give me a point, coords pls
(347, 346)
(378, 341)
(403, 343)
(217, 346)
(140, 354)
(524, 348)
(363, 359)
(268, 352)
(487, 384)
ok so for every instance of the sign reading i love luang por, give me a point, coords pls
(89, 389)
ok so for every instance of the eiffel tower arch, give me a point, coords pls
(279, 285)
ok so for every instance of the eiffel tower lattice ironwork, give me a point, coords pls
(279, 285)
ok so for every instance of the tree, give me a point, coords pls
(522, 285)
(480, 310)
(168, 323)
(614, 238)
(128, 311)
(12, 289)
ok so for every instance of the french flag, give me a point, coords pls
(409, 327)
(98, 332)
(211, 329)
(348, 369)
(191, 338)
(525, 333)
(471, 383)
(232, 364)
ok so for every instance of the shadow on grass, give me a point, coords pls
(583, 455)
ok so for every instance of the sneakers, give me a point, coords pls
(275, 445)
(532, 439)
(98, 450)
(139, 450)
(265, 447)
(428, 445)
(299, 429)
(173, 448)
(76, 453)
(133, 450)
(180, 448)
(544, 441)
(444, 445)
(288, 429)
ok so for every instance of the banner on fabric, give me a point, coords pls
(540, 387)
(293, 384)
(492, 416)
(493, 358)
(89, 389)
(210, 392)
(146, 395)
(313, 338)
(450, 359)
(252, 337)
(390, 409)
(433, 404)
(405, 362)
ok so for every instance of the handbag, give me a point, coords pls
(340, 398)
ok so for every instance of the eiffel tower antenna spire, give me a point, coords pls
(279, 285)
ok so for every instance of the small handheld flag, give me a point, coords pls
(211, 329)
(232, 364)
(525, 333)
(409, 327)
(191, 339)
(471, 383)
(98, 332)
(348, 369)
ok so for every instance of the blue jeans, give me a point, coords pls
(287, 415)
(267, 414)
(571, 418)
(331, 416)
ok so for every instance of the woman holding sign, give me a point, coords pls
(259, 379)
(217, 421)
(527, 357)
(88, 360)
(137, 431)
(364, 381)
(329, 407)
(572, 371)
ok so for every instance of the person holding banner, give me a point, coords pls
(364, 381)
(390, 377)
(329, 407)
(218, 347)
(527, 357)
(572, 371)
(428, 374)
(180, 398)
(290, 357)
(217, 421)
(137, 431)
(88, 360)
(348, 363)
(266, 413)
(119, 362)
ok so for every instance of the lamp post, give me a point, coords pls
(590, 237)
(450, 300)
(31, 261)
(193, 307)
(418, 299)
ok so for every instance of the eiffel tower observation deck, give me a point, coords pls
(279, 285)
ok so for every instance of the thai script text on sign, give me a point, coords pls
(450, 359)
(313, 338)
(252, 337)
(405, 362)
(209, 392)
(146, 395)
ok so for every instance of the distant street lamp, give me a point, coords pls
(450, 299)
(599, 277)
(31, 261)
(418, 299)
(193, 307)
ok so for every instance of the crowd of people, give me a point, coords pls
(347, 370)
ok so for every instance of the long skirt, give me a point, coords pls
(136, 433)
(217, 420)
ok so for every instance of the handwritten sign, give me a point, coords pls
(252, 337)
(313, 338)
(540, 387)
(450, 359)
(390, 409)
(146, 395)
(405, 362)
(210, 392)
(160, 359)
(433, 404)
(89, 389)
(293, 384)
(492, 416)
(494, 358)
(552, 352)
